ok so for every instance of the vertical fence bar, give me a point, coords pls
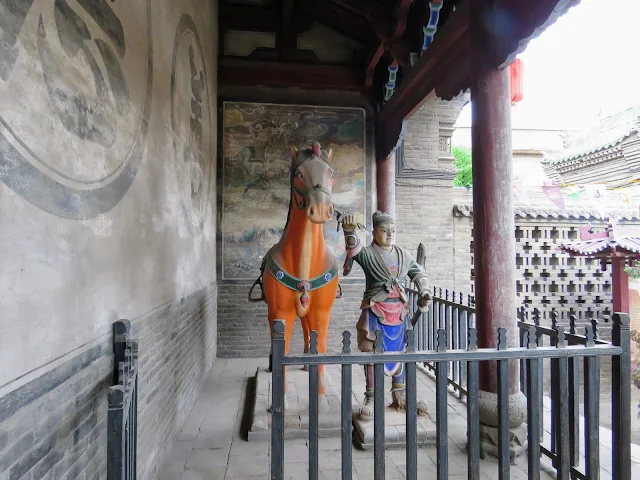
(464, 326)
(431, 320)
(523, 342)
(621, 398)
(277, 402)
(455, 325)
(411, 418)
(533, 409)
(115, 445)
(504, 465)
(592, 405)
(346, 414)
(554, 388)
(540, 375)
(378, 413)
(442, 444)
(563, 465)
(313, 409)
(135, 413)
(473, 412)
(574, 402)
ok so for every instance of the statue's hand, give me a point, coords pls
(424, 301)
(349, 221)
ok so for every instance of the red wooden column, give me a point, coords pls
(493, 221)
(493, 227)
(620, 285)
(386, 184)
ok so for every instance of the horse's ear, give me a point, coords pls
(294, 153)
(330, 155)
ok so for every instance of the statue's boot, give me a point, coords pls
(366, 410)
(400, 402)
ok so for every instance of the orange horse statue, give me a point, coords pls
(299, 275)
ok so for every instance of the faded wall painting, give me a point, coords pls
(191, 124)
(255, 175)
(86, 68)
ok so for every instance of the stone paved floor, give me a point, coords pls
(213, 446)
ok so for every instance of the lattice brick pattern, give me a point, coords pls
(549, 279)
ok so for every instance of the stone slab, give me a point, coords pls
(296, 422)
(394, 431)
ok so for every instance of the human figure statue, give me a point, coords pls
(385, 304)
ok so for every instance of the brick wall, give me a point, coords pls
(423, 204)
(55, 425)
(243, 328)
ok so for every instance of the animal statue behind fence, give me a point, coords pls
(299, 275)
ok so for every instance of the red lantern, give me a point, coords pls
(516, 75)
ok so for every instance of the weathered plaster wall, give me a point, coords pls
(107, 147)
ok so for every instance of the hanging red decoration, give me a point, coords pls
(516, 77)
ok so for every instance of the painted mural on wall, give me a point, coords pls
(255, 183)
(191, 123)
(86, 67)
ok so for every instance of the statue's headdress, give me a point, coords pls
(380, 217)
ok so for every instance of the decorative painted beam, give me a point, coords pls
(391, 80)
(430, 29)
(242, 72)
(444, 67)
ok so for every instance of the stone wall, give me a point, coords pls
(108, 180)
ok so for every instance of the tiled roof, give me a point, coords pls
(554, 212)
(584, 150)
(600, 245)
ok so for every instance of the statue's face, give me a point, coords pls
(385, 234)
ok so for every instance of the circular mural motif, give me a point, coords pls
(191, 123)
(75, 83)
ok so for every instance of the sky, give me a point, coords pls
(585, 64)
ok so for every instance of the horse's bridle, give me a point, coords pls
(303, 194)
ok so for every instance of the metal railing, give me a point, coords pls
(565, 391)
(122, 417)
(584, 347)
(455, 314)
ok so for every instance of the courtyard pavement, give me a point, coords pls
(212, 444)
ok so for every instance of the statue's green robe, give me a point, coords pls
(379, 280)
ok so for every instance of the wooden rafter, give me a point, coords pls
(339, 19)
(239, 71)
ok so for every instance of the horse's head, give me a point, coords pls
(312, 181)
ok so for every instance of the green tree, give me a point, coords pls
(463, 166)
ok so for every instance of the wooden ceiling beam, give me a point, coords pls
(242, 72)
(333, 16)
(248, 18)
(390, 43)
(378, 16)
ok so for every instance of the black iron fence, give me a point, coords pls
(566, 347)
(453, 313)
(122, 417)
